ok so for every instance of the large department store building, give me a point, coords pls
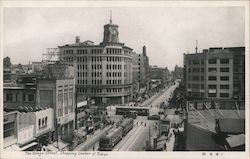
(102, 72)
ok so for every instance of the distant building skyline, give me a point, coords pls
(168, 32)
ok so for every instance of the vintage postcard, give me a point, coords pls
(124, 79)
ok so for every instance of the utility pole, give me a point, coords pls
(76, 110)
(149, 136)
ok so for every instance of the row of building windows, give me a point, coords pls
(113, 81)
(97, 82)
(114, 90)
(96, 59)
(82, 67)
(25, 97)
(196, 78)
(195, 62)
(82, 51)
(42, 123)
(210, 61)
(223, 69)
(195, 69)
(114, 67)
(83, 90)
(68, 59)
(82, 59)
(68, 52)
(113, 51)
(210, 78)
(222, 78)
(196, 86)
(80, 81)
(223, 95)
(115, 74)
(114, 59)
(96, 74)
(96, 90)
(96, 51)
(96, 67)
(82, 74)
(222, 61)
(222, 86)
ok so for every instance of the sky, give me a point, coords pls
(167, 32)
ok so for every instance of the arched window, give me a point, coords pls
(39, 122)
(46, 120)
(43, 121)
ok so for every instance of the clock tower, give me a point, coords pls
(110, 34)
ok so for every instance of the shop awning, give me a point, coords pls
(28, 145)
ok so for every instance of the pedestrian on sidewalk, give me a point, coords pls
(93, 148)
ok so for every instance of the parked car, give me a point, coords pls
(154, 117)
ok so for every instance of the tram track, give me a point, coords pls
(130, 138)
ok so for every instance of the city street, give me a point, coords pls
(136, 139)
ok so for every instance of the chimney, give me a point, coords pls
(77, 39)
(144, 51)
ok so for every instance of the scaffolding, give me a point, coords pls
(51, 56)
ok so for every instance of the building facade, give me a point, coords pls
(21, 93)
(103, 72)
(215, 73)
(159, 74)
(178, 72)
(141, 69)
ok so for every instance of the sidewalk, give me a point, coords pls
(92, 139)
(170, 142)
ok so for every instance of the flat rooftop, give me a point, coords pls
(205, 119)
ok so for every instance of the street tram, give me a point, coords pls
(114, 135)
(108, 142)
(140, 111)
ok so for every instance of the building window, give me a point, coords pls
(194, 69)
(195, 86)
(212, 69)
(224, 78)
(9, 97)
(65, 101)
(224, 69)
(212, 61)
(8, 129)
(202, 78)
(224, 86)
(196, 78)
(202, 61)
(211, 94)
(202, 69)
(196, 62)
(212, 78)
(189, 70)
(224, 61)
(70, 100)
(212, 86)
(31, 97)
(224, 94)
(202, 86)
(39, 123)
